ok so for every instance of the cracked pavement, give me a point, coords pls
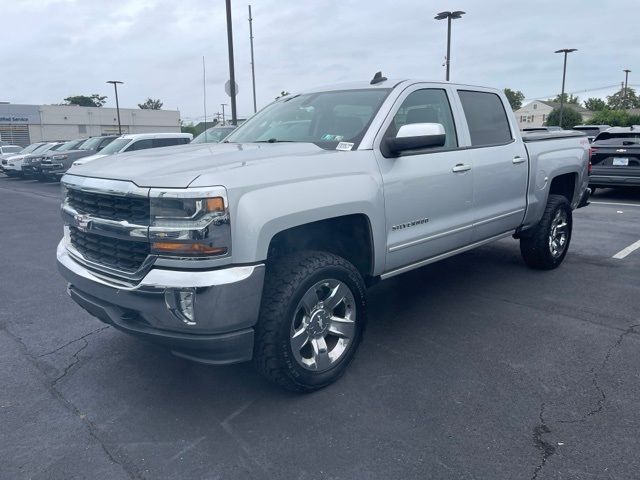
(473, 368)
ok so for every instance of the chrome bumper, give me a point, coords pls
(226, 305)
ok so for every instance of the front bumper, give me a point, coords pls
(226, 304)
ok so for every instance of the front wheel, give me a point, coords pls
(311, 321)
(546, 245)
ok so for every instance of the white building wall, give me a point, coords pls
(533, 114)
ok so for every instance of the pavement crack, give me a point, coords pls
(97, 330)
(546, 449)
(75, 358)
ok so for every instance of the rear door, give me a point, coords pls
(500, 164)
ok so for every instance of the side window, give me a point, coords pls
(426, 106)
(486, 118)
(140, 145)
(167, 142)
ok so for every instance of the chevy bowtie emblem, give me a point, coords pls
(82, 222)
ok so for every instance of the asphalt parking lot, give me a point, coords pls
(472, 368)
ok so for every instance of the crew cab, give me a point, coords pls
(262, 247)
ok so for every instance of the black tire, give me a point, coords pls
(287, 279)
(535, 244)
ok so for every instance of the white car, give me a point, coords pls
(13, 167)
(7, 151)
(138, 141)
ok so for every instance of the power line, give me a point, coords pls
(595, 89)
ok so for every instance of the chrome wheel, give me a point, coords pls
(323, 325)
(559, 233)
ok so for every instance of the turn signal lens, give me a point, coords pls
(215, 204)
(187, 248)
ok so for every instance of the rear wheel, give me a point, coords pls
(311, 322)
(546, 245)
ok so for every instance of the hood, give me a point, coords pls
(179, 166)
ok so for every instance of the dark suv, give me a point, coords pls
(615, 158)
(56, 165)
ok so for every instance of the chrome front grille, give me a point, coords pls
(124, 255)
(134, 210)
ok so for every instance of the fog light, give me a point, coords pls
(182, 304)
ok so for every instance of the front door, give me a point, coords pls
(428, 193)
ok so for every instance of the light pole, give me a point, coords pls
(115, 87)
(626, 83)
(564, 74)
(449, 16)
(232, 74)
(253, 66)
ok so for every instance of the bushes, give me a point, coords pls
(615, 118)
(570, 117)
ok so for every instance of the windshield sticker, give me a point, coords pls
(328, 137)
(344, 146)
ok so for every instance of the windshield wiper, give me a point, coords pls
(274, 140)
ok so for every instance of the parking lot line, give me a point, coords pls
(626, 251)
(616, 203)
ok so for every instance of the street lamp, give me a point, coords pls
(115, 86)
(564, 74)
(449, 16)
(626, 83)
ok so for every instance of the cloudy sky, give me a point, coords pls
(56, 48)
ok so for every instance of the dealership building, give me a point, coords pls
(25, 124)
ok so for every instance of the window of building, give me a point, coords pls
(486, 118)
(535, 106)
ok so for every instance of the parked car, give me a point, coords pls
(591, 130)
(31, 163)
(263, 246)
(615, 158)
(13, 168)
(138, 141)
(9, 150)
(25, 151)
(55, 166)
(214, 134)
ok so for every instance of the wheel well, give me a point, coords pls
(564, 185)
(348, 236)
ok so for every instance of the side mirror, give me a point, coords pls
(415, 136)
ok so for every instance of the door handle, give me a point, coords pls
(461, 167)
(517, 160)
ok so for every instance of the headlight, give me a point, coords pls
(192, 222)
(59, 157)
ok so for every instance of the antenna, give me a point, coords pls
(377, 78)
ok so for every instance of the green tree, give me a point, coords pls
(568, 99)
(595, 104)
(515, 98)
(151, 104)
(188, 128)
(94, 100)
(620, 101)
(615, 118)
(570, 118)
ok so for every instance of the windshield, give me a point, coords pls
(43, 147)
(213, 135)
(55, 147)
(115, 146)
(622, 138)
(70, 145)
(11, 149)
(31, 148)
(91, 144)
(325, 118)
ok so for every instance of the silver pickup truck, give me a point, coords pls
(262, 247)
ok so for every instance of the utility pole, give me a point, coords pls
(204, 89)
(115, 86)
(223, 105)
(564, 74)
(449, 16)
(626, 84)
(253, 67)
(232, 73)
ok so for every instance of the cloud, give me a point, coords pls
(65, 47)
